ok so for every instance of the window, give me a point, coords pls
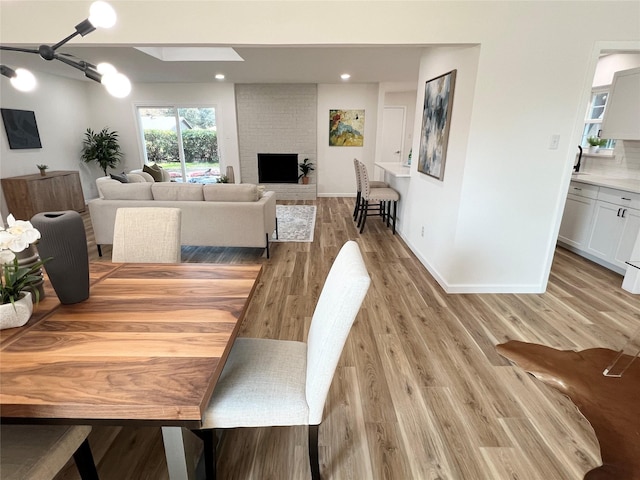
(182, 140)
(594, 116)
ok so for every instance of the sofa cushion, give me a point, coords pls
(229, 192)
(121, 177)
(154, 170)
(172, 192)
(126, 191)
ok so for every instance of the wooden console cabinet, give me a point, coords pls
(27, 195)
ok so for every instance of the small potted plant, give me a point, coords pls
(223, 179)
(595, 143)
(43, 169)
(306, 167)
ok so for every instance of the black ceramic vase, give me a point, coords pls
(63, 239)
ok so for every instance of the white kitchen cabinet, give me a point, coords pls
(615, 227)
(578, 211)
(630, 232)
(622, 116)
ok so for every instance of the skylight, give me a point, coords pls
(193, 54)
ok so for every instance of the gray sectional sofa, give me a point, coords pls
(216, 215)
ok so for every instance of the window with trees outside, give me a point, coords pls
(182, 140)
(594, 116)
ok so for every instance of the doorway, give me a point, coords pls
(393, 125)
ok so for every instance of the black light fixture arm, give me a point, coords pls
(101, 15)
(7, 71)
(48, 53)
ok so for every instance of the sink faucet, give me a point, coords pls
(576, 167)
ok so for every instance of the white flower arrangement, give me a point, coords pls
(16, 237)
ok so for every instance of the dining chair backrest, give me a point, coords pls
(364, 181)
(356, 165)
(147, 235)
(340, 300)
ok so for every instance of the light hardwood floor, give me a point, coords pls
(420, 392)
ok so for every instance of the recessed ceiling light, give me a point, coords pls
(345, 76)
(219, 76)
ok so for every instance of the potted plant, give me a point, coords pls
(43, 169)
(223, 179)
(595, 143)
(102, 148)
(306, 167)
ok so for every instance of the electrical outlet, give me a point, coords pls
(422, 232)
(554, 142)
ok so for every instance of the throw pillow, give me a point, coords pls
(121, 177)
(154, 170)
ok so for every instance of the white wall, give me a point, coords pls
(60, 108)
(336, 175)
(431, 203)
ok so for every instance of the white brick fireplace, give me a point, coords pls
(277, 118)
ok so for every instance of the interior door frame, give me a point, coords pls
(403, 108)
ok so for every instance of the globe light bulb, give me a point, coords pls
(102, 15)
(24, 80)
(117, 84)
(105, 68)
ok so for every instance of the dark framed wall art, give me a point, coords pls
(436, 121)
(21, 128)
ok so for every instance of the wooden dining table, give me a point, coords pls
(145, 349)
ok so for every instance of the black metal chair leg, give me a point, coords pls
(395, 206)
(267, 247)
(356, 209)
(99, 251)
(277, 228)
(84, 462)
(363, 216)
(208, 437)
(314, 461)
(210, 454)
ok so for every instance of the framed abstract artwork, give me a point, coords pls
(346, 128)
(436, 120)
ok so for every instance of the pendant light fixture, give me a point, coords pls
(101, 15)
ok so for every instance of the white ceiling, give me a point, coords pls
(262, 64)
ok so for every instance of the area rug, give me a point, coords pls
(296, 223)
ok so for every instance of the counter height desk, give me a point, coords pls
(146, 348)
(395, 169)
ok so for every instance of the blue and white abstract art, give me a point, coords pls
(436, 119)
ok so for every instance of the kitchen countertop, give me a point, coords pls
(396, 169)
(626, 184)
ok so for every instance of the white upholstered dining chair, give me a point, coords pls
(147, 235)
(39, 452)
(268, 383)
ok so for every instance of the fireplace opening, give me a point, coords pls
(277, 168)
